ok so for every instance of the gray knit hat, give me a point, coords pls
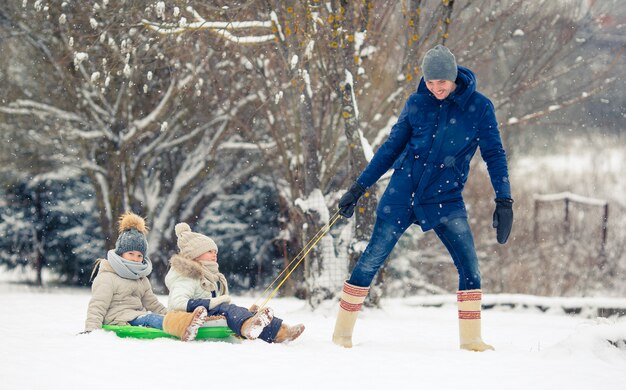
(439, 64)
(132, 237)
(192, 244)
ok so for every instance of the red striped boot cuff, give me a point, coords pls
(469, 315)
(355, 291)
(471, 295)
(352, 307)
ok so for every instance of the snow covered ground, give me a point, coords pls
(400, 346)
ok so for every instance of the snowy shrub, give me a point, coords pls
(49, 221)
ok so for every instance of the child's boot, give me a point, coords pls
(253, 326)
(288, 333)
(184, 325)
(352, 298)
(469, 321)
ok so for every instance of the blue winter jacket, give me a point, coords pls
(430, 148)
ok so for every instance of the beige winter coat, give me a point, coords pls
(185, 280)
(116, 300)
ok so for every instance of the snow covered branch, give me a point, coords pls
(514, 121)
(222, 29)
(141, 124)
(40, 110)
(247, 145)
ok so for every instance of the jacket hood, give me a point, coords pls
(105, 266)
(186, 267)
(465, 87)
(101, 265)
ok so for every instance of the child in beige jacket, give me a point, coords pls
(122, 293)
(194, 281)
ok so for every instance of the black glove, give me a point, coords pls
(503, 219)
(349, 199)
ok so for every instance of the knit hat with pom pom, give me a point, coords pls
(192, 244)
(132, 229)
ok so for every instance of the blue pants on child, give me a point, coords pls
(236, 316)
(455, 234)
(149, 320)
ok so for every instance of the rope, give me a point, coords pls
(306, 249)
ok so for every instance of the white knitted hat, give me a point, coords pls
(192, 244)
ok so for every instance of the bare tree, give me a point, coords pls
(143, 117)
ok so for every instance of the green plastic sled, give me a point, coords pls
(140, 332)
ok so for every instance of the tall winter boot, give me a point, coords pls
(352, 298)
(184, 325)
(253, 326)
(288, 333)
(469, 321)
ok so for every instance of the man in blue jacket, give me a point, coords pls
(430, 149)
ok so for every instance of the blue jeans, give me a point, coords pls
(455, 234)
(149, 320)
